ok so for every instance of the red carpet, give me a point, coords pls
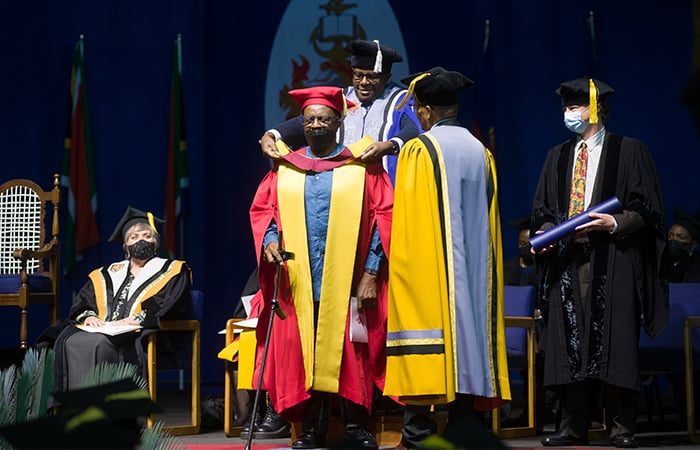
(253, 446)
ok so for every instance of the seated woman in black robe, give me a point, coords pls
(140, 290)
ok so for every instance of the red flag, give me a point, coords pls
(78, 169)
(177, 179)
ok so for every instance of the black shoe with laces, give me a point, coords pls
(309, 439)
(273, 426)
(259, 417)
(360, 437)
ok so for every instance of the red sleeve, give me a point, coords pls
(264, 209)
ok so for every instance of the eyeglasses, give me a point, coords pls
(323, 120)
(372, 77)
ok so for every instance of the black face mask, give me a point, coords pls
(678, 250)
(142, 250)
(320, 132)
(524, 253)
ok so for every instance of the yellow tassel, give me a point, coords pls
(152, 222)
(411, 90)
(593, 100)
(345, 106)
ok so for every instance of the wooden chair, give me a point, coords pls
(520, 343)
(193, 327)
(691, 322)
(29, 259)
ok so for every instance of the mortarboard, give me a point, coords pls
(437, 86)
(330, 96)
(372, 55)
(521, 223)
(584, 91)
(687, 221)
(133, 216)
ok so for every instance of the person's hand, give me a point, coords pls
(376, 150)
(268, 147)
(600, 222)
(94, 321)
(367, 292)
(272, 253)
(125, 321)
(543, 250)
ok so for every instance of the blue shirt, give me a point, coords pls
(317, 204)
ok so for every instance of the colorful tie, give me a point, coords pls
(578, 182)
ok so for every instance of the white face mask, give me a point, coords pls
(574, 122)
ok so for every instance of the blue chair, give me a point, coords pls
(672, 351)
(519, 305)
(191, 326)
(30, 263)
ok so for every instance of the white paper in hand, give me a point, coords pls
(358, 323)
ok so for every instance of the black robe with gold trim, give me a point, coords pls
(162, 290)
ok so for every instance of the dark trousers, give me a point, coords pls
(317, 413)
(418, 424)
(579, 400)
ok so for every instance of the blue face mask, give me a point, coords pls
(574, 122)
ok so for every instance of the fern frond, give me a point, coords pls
(24, 387)
(158, 438)
(8, 380)
(43, 384)
(107, 372)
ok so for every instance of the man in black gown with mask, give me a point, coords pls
(681, 261)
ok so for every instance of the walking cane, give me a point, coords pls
(277, 310)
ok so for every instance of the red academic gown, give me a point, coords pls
(361, 365)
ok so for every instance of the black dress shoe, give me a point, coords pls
(624, 440)
(562, 440)
(273, 426)
(310, 439)
(361, 437)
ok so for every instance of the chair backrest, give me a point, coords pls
(23, 211)
(198, 304)
(519, 301)
(665, 353)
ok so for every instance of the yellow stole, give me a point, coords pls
(322, 366)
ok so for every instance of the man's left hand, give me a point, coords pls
(367, 292)
(599, 222)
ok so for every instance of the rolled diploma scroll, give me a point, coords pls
(556, 233)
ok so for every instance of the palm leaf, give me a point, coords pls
(158, 438)
(8, 378)
(25, 380)
(45, 385)
(107, 372)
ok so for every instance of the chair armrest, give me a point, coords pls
(179, 325)
(43, 252)
(519, 322)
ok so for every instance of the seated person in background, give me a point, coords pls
(681, 260)
(141, 290)
(520, 270)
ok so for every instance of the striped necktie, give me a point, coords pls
(578, 182)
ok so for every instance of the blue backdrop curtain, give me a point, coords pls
(643, 52)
